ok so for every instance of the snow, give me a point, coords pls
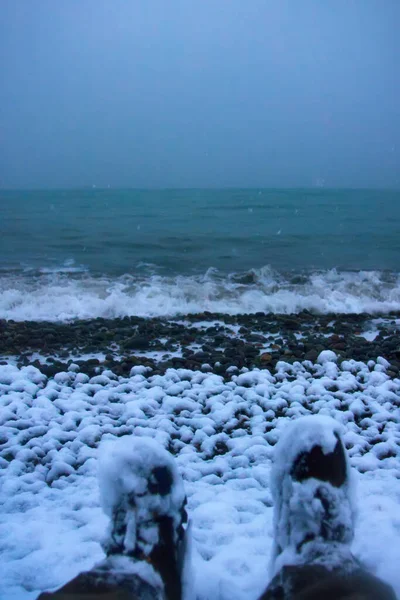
(326, 356)
(222, 434)
(369, 335)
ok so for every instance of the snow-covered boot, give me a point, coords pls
(146, 543)
(314, 519)
(143, 494)
(312, 489)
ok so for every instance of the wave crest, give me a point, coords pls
(67, 296)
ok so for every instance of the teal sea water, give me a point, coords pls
(188, 231)
(82, 253)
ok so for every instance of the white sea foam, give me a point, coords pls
(62, 297)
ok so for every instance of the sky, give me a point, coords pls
(199, 93)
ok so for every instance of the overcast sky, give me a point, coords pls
(185, 93)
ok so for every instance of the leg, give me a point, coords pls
(142, 493)
(314, 513)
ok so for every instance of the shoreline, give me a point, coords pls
(214, 342)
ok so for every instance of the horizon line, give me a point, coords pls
(95, 188)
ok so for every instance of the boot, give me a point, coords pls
(312, 489)
(314, 511)
(146, 542)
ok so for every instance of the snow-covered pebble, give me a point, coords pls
(222, 434)
(326, 356)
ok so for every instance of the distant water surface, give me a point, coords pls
(66, 254)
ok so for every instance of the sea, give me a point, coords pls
(80, 254)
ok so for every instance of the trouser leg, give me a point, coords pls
(315, 582)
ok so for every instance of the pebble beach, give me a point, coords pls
(211, 342)
(215, 390)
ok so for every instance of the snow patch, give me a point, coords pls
(222, 435)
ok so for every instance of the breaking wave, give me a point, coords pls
(64, 296)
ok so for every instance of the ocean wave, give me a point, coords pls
(64, 296)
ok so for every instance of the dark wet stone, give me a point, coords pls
(231, 352)
(92, 362)
(200, 357)
(255, 338)
(339, 346)
(207, 348)
(178, 361)
(220, 448)
(392, 373)
(291, 324)
(49, 370)
(250, 350)
(137, 342)
(311, 355)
